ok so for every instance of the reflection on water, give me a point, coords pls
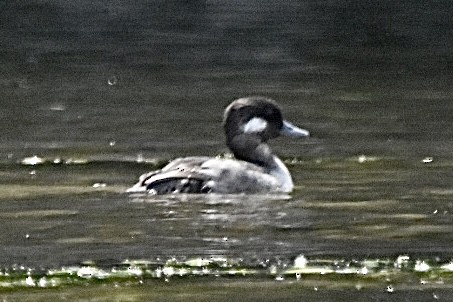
(358, 273)
(360, 206)
(360, 224)
(374, 225)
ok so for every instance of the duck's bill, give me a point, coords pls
(289, 129)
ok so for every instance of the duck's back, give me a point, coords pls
(207, 175)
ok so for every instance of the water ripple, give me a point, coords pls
(398, 271)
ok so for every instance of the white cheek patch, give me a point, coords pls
(254, 125)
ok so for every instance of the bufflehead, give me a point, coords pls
(248, 124)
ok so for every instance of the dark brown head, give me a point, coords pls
(250, 122)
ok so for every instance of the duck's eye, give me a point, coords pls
(255, 125)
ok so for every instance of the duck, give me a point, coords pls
(248, 123)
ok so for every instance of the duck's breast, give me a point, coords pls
(229, 176)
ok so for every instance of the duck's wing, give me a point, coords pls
(206, 175)
(182, 175)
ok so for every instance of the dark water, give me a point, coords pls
(101, 92)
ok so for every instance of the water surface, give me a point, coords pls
(94, 94)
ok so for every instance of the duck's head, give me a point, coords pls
(249, 122)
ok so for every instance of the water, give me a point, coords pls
(94, 94)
